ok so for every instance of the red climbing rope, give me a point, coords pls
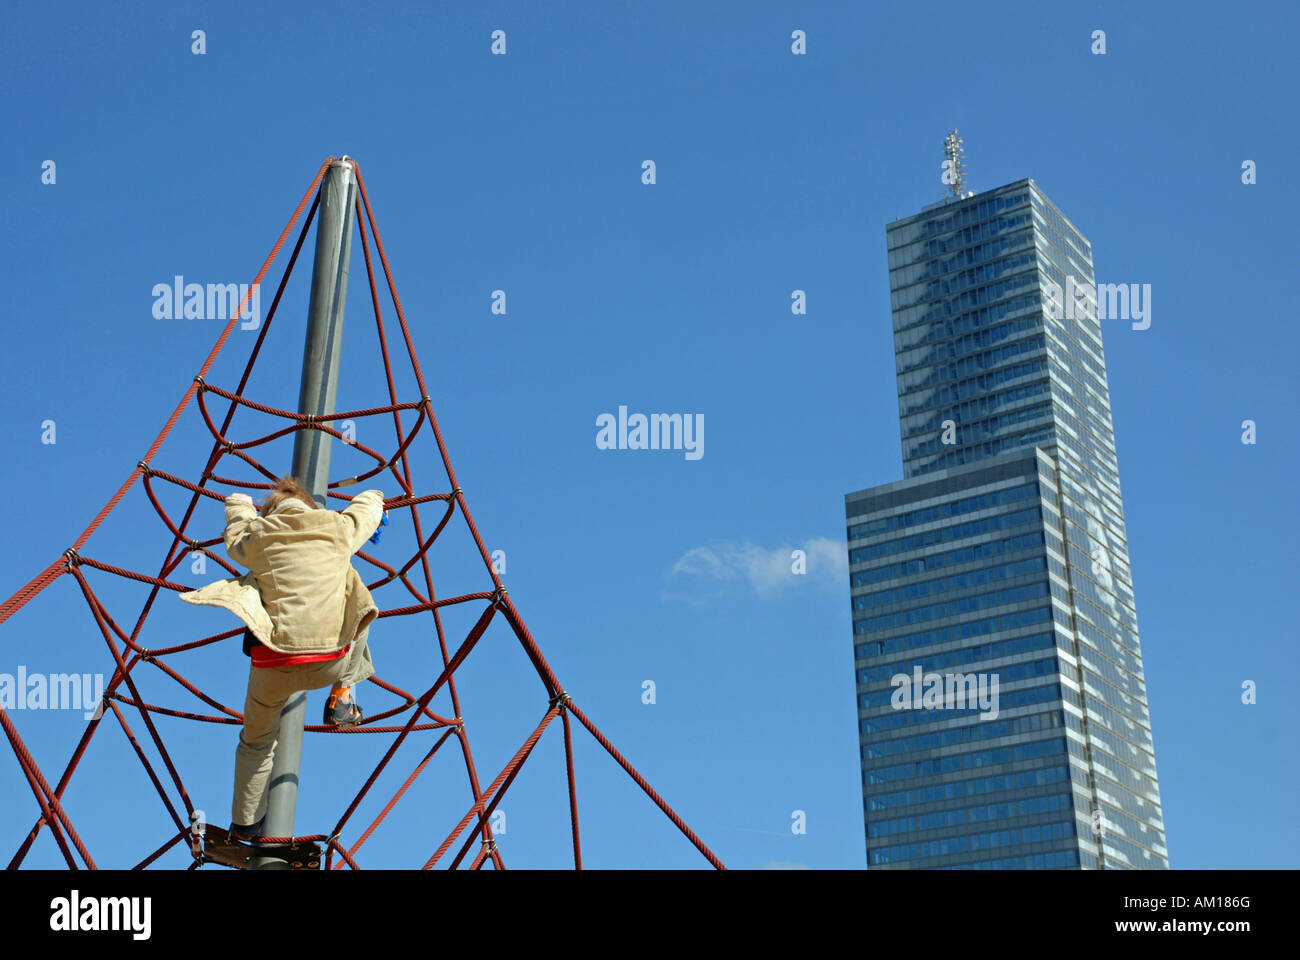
(412, 715)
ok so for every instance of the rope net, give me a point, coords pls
(122, 700)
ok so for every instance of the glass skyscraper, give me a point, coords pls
(1002, 710)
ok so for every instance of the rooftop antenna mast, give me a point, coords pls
(954, 166)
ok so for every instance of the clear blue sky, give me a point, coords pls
(522, 172)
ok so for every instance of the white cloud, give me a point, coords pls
(768, 571)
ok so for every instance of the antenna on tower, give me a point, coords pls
(954, 167)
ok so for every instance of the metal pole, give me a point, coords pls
(311, 450)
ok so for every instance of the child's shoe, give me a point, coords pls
(245, 833)
(341, 712)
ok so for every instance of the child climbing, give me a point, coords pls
(307, 616)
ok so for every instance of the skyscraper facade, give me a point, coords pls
(1002, 705)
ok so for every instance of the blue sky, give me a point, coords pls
(522, 172)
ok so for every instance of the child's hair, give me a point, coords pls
(285, 488)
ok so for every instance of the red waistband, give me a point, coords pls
(266, 657)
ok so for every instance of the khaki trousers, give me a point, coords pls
(269, 688)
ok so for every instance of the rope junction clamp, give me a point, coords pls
(559, 699)
(499, 596)
(73, 559)
(357, 479)
(196, 832)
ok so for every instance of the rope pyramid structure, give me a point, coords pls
(123, 703)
